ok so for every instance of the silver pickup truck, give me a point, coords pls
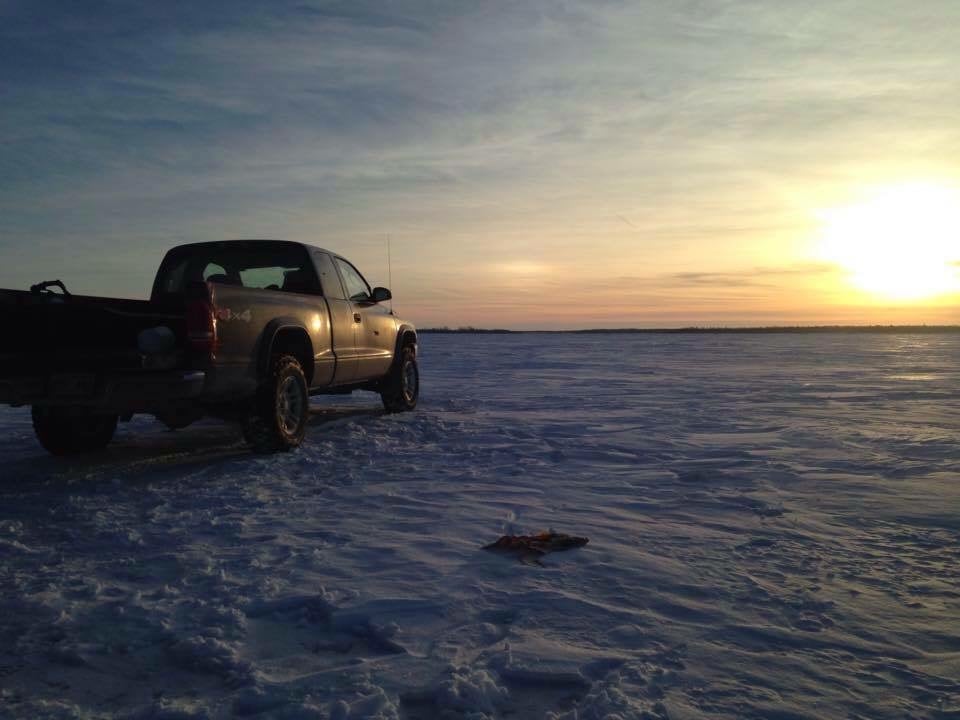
(243, 330)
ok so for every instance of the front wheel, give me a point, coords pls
(72, 430)
(401, 386)
(281, 409)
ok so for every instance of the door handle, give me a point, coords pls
(356, 317)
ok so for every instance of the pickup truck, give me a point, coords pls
(242, 330)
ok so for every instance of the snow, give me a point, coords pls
(774, 526)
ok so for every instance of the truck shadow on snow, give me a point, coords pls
(151, 449)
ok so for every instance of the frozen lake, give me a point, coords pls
(774, 526)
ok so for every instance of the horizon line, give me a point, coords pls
(710, 329)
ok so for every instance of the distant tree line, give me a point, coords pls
(464, 329)
(706, 329)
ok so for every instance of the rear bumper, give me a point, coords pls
(122, 392)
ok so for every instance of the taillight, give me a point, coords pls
(201, 325)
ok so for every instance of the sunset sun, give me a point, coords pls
(902, 243)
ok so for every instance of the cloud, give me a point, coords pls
(756, 277)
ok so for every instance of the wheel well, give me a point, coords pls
(296, 342)
(408, 337)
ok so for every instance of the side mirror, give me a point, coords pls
(380, 294)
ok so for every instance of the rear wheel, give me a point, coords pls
(281, 409)
(401, 386)
(72, 430)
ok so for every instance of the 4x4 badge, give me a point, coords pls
(226, 314)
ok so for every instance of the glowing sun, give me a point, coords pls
(901, 243)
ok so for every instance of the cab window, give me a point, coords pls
(252, 264)
(264, 278)
(356, 286)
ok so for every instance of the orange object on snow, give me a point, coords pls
(534, 546)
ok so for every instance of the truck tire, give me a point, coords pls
(401, 386)
(281, 409)
(72, 430)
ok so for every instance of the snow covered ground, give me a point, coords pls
(774, 526)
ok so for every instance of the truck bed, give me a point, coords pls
(45, 333)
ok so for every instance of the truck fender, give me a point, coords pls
(288, 330)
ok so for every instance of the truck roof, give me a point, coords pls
(241, 241)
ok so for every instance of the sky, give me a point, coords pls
(534, 164)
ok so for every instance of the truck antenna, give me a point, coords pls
(390, 273)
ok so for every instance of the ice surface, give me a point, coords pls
(774, 526)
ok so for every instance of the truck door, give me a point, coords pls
(376, 327)
(342, 326)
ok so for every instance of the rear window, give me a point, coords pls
(259, 265)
